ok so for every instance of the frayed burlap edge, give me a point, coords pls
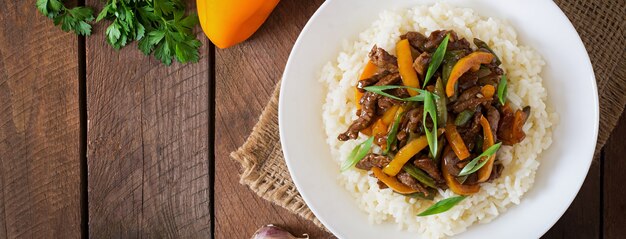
(602, 27)
(264, 168)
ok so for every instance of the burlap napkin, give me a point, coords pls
(602, 27)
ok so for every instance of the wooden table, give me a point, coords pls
(100, 143)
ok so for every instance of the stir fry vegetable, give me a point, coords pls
(405, 66)
(469, 62)
(392, 182)
(442, 206)
(437, 59)
(463, 90)
(357, 154)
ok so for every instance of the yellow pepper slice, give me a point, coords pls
(379, 128)
(392, 182)
(488, 91)
(405, 66)
(369, 70)
(454, 185)
(390, 114)
(471, 61)
(485, 172)
(404, 154)
(456, 142)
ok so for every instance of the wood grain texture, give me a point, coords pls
(582, 218)
(147, 152)
(39, 126)
(614, 177)
(245, 77)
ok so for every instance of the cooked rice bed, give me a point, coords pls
(522, 66)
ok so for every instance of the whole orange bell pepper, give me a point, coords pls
(228, 22)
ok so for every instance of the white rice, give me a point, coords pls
(522, 66)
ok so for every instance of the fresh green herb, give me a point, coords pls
(391, 137)
(440, 145)
(160, 26)
(71, 19)
(462, 179)
(379, 89)
(463, 117)
(430, 111)
(436, 59)
(502, 90)
(419, 175)
(441, 102)
(479, 161)
(357, 154)
(442, 206)
(481, 44)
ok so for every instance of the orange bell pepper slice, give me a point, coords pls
(379, 128)
(456, 142)
(471, 61)
(390, 114)
(405, 66)
(455, 186)
(485, 172)
(369, 70)
(488, 91)
(406, 153)
(227, 23)
(392, 182)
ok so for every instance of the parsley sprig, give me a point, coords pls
(70, 19)
(161, 27)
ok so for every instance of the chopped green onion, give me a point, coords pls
(502, 90)
(430, 110)
(357, 154)
(462, 179)
(379, 89)
(391, 137)
(442, 206)
(477, 163)
(435, 61)
(441, 102)
(419, 175)
(463, 117)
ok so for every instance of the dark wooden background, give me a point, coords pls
(105, 144)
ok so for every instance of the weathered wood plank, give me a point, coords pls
(614, 178)
(582, 218)
(148, 151)
(39, 126)
(245, 77)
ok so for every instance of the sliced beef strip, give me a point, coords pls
(383, 59)
(366, 116)
(435, 37)
(493, 117)
(410, 123)
(471, 104)
(430, 168)
(469, 135)
(369, 106)
(468, 80)
(385, 103)
(451, 161)
(421, 64)
(370, 81)
(406, 179)
(496, 171)
(461, 44)
(372, 160)
(416, 40)
(381, 185)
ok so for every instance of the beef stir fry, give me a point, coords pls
(438, 112)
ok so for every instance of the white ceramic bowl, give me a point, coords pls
(568, 76)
